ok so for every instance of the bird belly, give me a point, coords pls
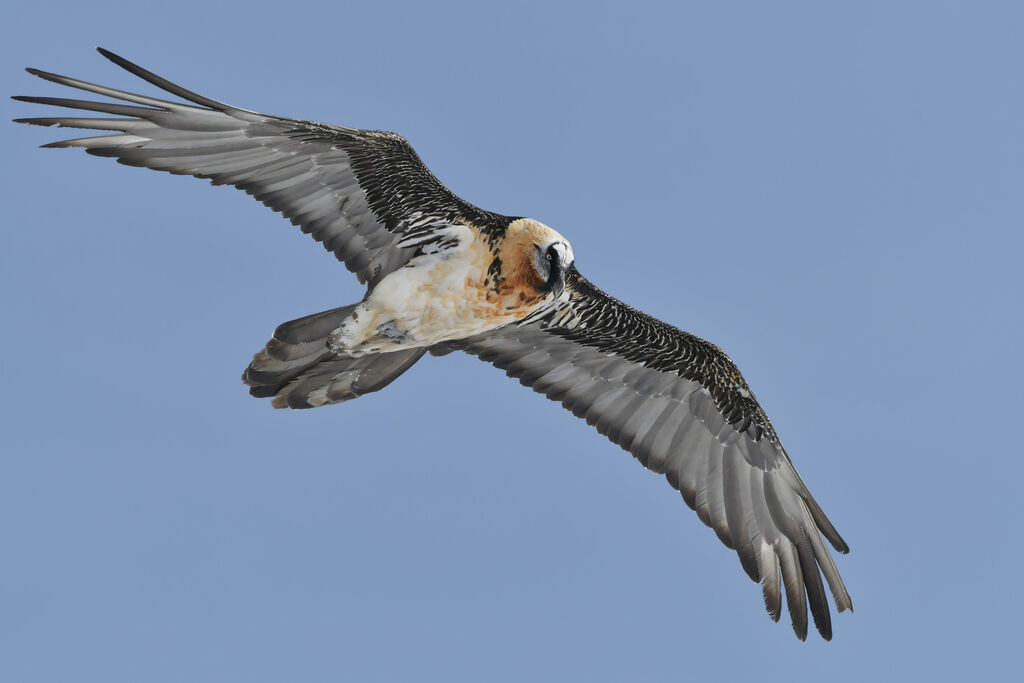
(434, 298)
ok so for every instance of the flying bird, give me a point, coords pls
(443, 275)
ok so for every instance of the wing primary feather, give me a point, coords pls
(123, 125)
(823, 523)
(88, 105)
(163, 83)
(770, 539)
(815, 588)
(792, 579)
(828, 568)
(737, 506)
(105, 91)
(783, 515)
(770, 584)
(113, 142)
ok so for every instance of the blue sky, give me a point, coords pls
(831, 194)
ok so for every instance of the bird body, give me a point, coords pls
(443, 275)
(466, 286)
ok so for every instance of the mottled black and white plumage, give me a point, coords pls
(443, 275)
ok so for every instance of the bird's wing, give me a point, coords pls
(359, 192)
(681, 407)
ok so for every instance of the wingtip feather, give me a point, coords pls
(35, 122)
(163, 83)
(111, 55)
(46, 75)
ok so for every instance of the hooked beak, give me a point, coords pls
(558, 287)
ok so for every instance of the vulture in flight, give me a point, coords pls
(443, 275)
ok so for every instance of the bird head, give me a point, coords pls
(536, 256)
(552, 259)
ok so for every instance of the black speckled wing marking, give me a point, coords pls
(358, 192)
(681, 407)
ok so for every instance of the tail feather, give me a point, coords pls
(299, 371)
(313, 328)
(341, 379)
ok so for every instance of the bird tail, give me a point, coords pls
(299, 371)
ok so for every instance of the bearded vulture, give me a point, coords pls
(443, 275)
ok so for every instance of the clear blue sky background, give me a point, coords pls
(834, 195)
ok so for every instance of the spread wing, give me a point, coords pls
(681, 407)
(359, 192)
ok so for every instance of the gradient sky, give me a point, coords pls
(834, 195)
